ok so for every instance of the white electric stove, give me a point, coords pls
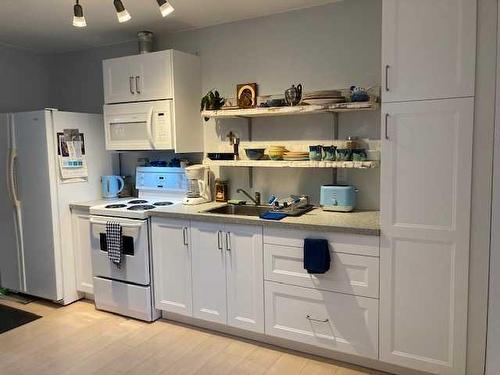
(127, 289)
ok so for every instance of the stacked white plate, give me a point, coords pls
(296, 156)
(323, 97)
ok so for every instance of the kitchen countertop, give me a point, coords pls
(359, 222)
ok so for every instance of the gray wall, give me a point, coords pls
(76, 77)
(25, 80)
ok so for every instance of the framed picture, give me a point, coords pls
(246, 95)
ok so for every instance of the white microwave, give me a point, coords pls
(139, 126)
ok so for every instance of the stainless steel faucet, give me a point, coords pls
(255, 200)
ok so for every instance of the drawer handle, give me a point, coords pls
(317, 320)
(219, 240)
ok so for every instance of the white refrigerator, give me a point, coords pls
(36, 247)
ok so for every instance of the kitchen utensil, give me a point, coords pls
(276, 152)
(199, 190)
(111, 186)
(343, 154)
(324, 101)
(255, 153)
(352, 143)
(275, 102)
(293, 95)
(338, 198)
(322, 94)
(315, 152)
(220, 155)
(359, 155)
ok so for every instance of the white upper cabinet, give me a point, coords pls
(119, 80)
(425, 217)
(153, 75)
(245, 277)
(172, 266)
(138, 78)
(428, 49)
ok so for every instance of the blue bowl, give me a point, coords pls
(255, 153)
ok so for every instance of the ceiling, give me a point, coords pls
(46, 25)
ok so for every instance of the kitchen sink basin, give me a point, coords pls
(239, 210)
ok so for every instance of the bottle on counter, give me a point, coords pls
(221, 190)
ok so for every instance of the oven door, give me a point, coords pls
(135, 260)
(139, 126)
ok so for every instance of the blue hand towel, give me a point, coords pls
(270, 215)
(316, 255)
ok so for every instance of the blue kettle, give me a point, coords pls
(111, 186)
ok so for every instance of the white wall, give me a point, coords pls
(24, 79)
(493, 348)
(331, 46)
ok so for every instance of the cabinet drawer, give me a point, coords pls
(339, 242)
(351, 274)
(329, 320)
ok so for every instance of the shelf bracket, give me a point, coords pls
(250, 177)
(335, 129)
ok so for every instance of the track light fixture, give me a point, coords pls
(122, 13)
(78, 18)
(165, 7)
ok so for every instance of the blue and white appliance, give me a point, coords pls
(338, 198)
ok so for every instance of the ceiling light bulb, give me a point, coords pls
(122, 13)
(78, 18)
(165, 7)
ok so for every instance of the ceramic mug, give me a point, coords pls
(359, 155)
(315, 152)
(329, 153)
(343, 154)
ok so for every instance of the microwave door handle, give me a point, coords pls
(149, 128)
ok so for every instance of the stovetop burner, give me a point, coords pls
(159, 204)
(116, 206)
(137, 201)
(141, 207)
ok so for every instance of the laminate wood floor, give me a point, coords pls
(77, 339)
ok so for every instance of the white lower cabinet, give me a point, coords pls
(209, 272)
(82, 250)
(172, 266)
(228, 274)
(245, 277)
(329, 320)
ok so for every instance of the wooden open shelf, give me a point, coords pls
(285, 111)
(292, 164)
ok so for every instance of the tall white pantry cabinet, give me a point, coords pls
(428, 62)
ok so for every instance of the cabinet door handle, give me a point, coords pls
(137, 79)
(185, 236)
(131, 83)
(228, 241)
(387, 67)
(308, 317)
(386, 131)
(219, 240)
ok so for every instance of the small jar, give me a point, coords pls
(352, 143)
(221, 190)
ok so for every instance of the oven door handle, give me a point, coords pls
(124, 225)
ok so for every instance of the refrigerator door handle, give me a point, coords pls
(12, 178)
